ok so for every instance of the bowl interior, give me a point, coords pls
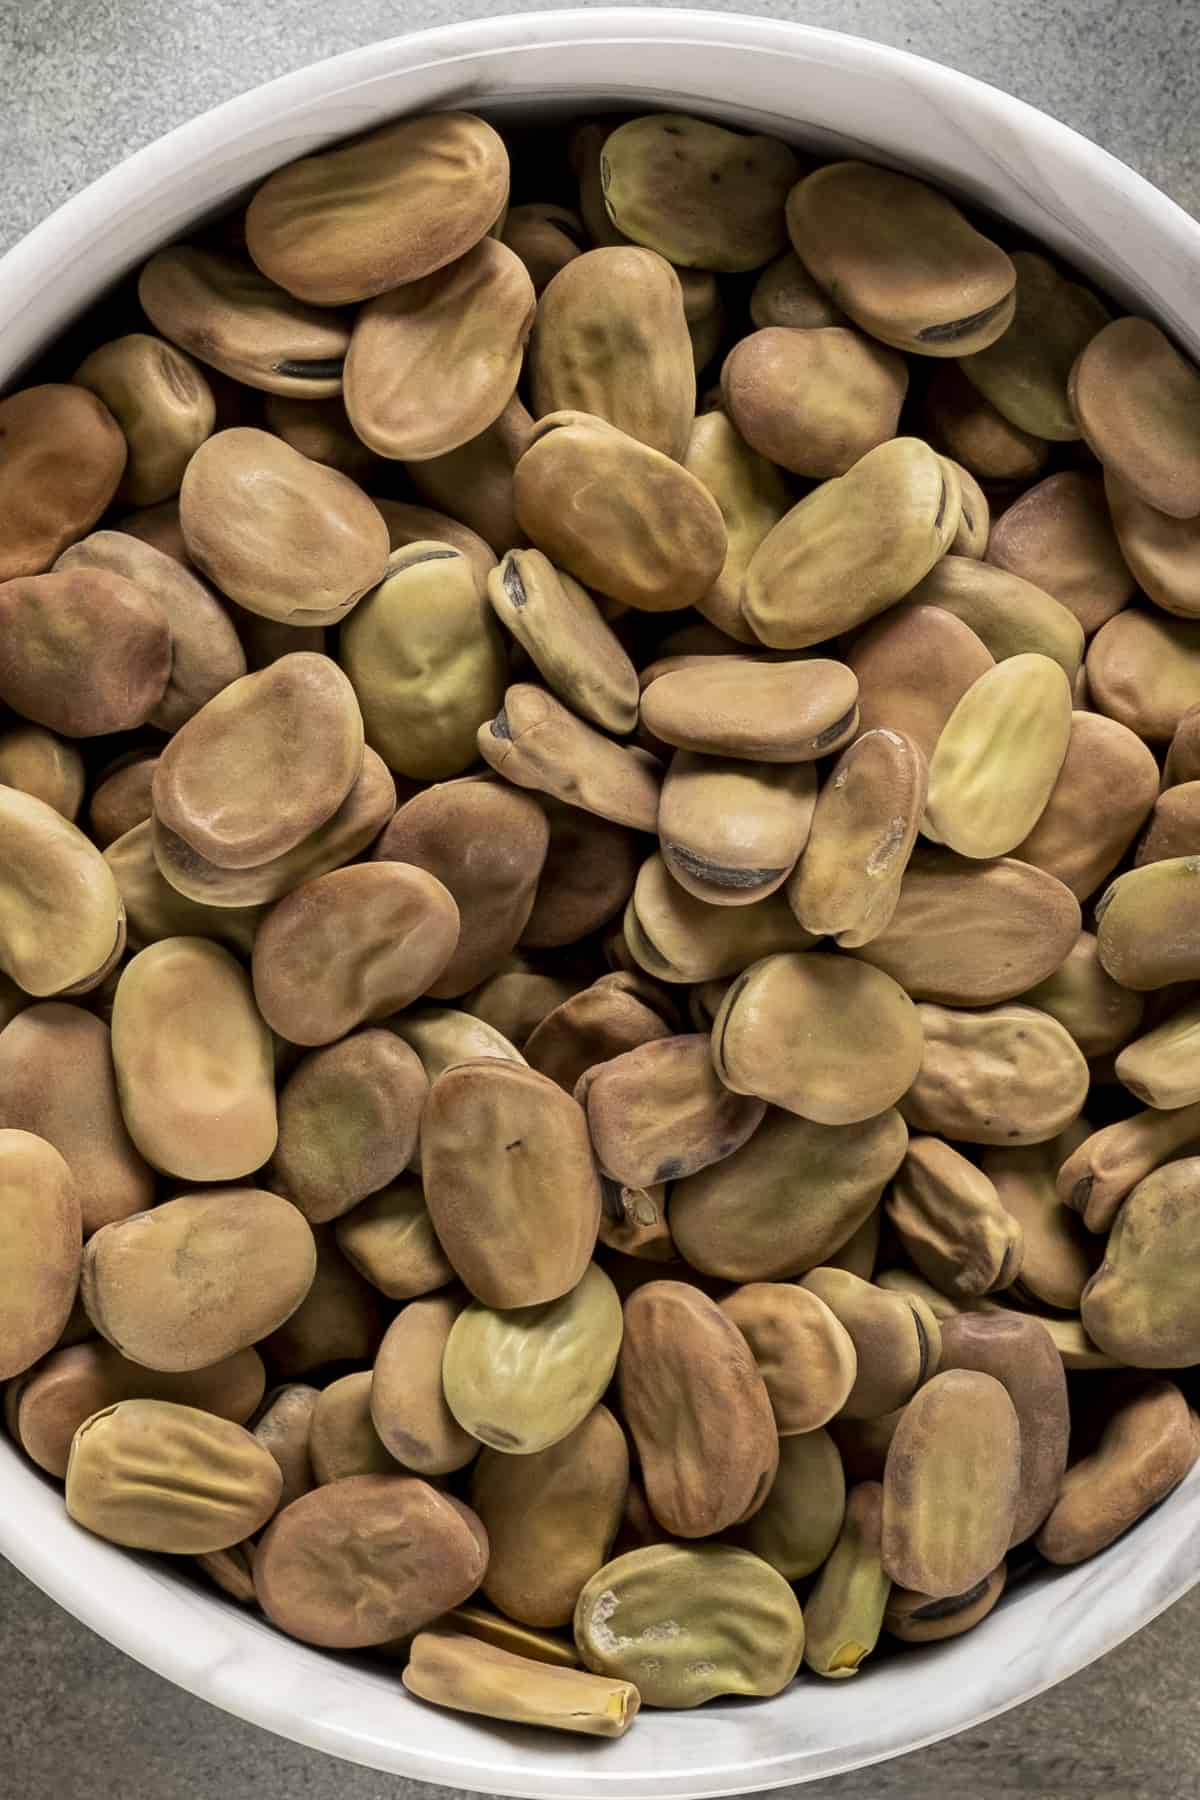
(837, 96)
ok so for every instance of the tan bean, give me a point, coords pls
(408, 1406)
(784, 712)
(913, 666)
(952, 1222)
(1136, 401)
(752, 496)
(1025, 371)
(676, 937)
(1160, 550)
(556, 621)
(660, 1113)
(342, 1441)
(1143, 669)
(1059, 537)
(961, 422)
(813, 401)
(1107, 1166)
(1001, 1075)
(162, 403)
(536, 743)
(1098, 1013)
(282, 1426)
(49, 768)
(896, 1340)
(588, 875)
(1139, 1305)
(85, 652)
(1010, 615)
(475, 482)
(39, 1202)
(804, 1353)
(615, 1014)
(916, 1619)
(798, 1523)
(389, 1238)
(62, 460)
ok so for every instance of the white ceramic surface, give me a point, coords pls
(834, 94)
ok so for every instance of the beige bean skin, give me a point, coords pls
(193, 1062)
(846, 1606)
(49, 768)
(149, 1281)
(163, 405)
(798, 1523)
(1107, 1166)
(408, 1405)
(813, 401)
(896, 1338)
(806, 1356)
(466, 1674)
(282, 1426)
(39, 1269)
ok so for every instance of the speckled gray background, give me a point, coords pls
(84, 82)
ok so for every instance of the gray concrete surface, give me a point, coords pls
(82, 83)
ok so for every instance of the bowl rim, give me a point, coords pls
(122, 1598)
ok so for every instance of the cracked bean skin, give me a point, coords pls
(686, 1622)
(698, 1411)
(361, 1561)
(951, 1484)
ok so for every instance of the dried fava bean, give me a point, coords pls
(342, 1441)
(348, 1121)
(731, 830)
(230, 782)
(380, 211)
(961, 422)
(1019, 1353)
(788, 1199)
(1140, 1304)
(1058, 536)
(1173, 828)
(1010, 615)
(951, 1485)
(913, 666)
(545, 237)
(862, 1444)
(621, 517)
(551, 1518)
(1137, 402)
(38, 763)
(205, 653)
(155, 910)
(389, 1238)
(434, 362)
(1160, 1068)
(223, 311)
(752, 495)
(1108, 777)
(148, 1281)
(85, 652)
(819, 1034)
(860, 1252)
(676, 937)
(264, 640)
(615, 1014)
(813, 401)
(509, 1181)
(611, 340)
(536, 743)
(687, 1622)
(783, 712)
(408, 1406)
(1059, 1256)
(1001, 1075)
(57, 1081)
(786, 294)
(952, 1223)
(162, 403)
(659, 1113)
(486, 842)
(798, 1523)
(62, 455)
(969, 933)
(351, 947)
(1183, 755)
(522, 1379)
(1145, 924)
(901, 259)
(231, 1570)
(634, 1221)
(916, 1619)
(1143, 669)
(1146, 1448)
(443, 1036)
(62, 924)
(470, 1675)
(845, 1608)
(157, 1476)
(340, 1319)
(320, 430)
(853, 547)
(427, 661)
(1161, 551)
(1025, 371)
(478, 1621)
(847, 882)
(361, 1561)
(282, 1427)
(998, 757)
(588, 875)
(1099, 1014)
(475, 482)
(40, 1207)
(703, 196)
(558, 624)
(76, 1381)
(803, 1352)
(409, 524)
(698, 1410)
(281, 535)
(896, 1340)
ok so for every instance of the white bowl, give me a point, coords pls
(837, 95)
